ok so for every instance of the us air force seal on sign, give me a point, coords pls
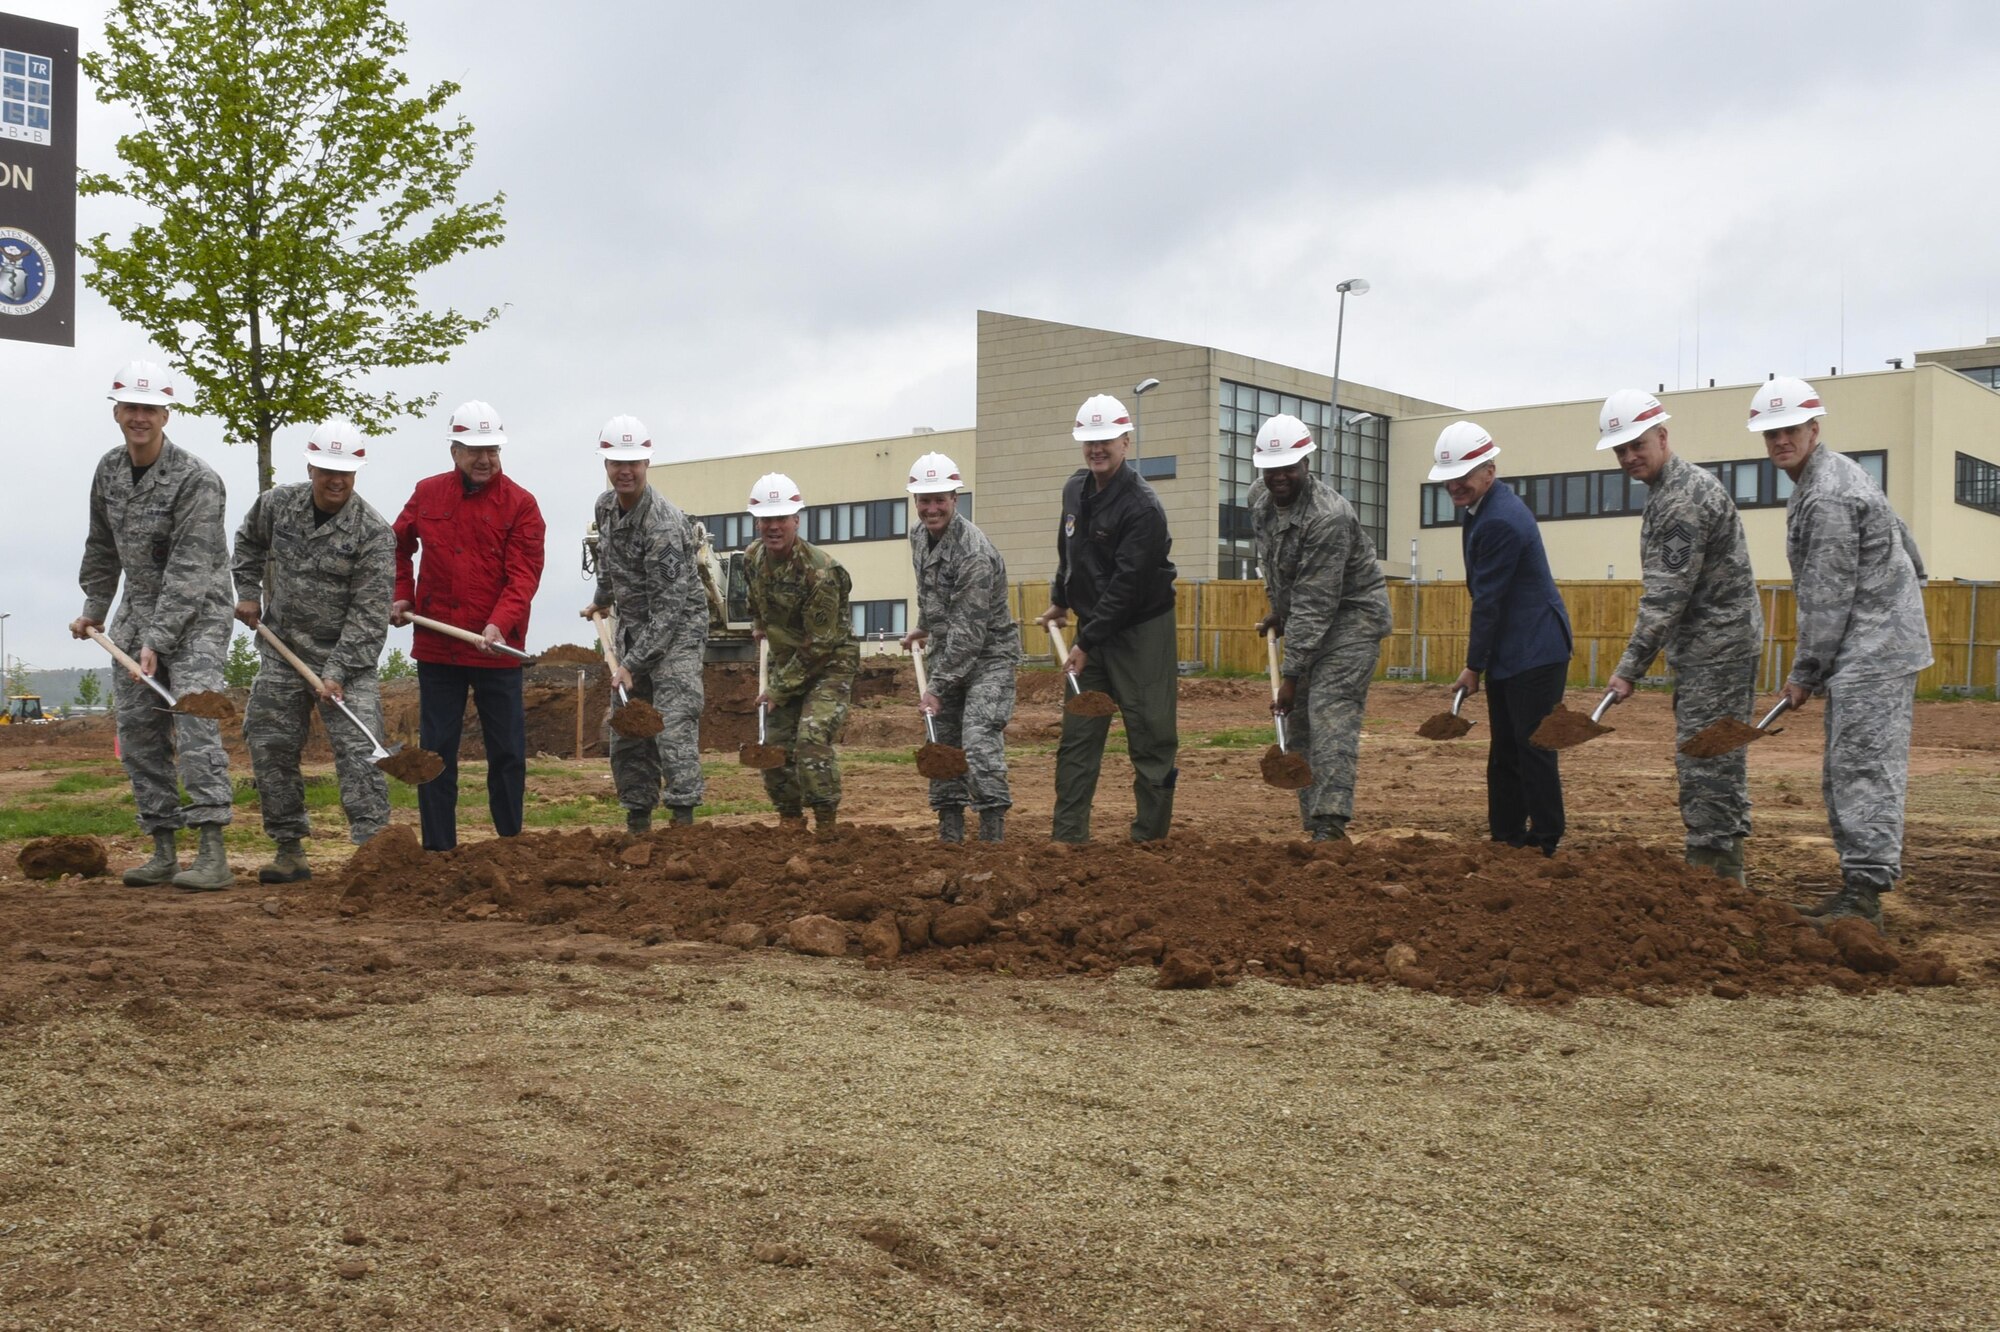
(1677, 546)
(27, 272)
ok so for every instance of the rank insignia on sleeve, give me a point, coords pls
(1677, 546)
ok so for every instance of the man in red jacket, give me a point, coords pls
(482, 539)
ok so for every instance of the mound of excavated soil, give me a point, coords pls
(1471, 920)
(53, 857)
(569, 654)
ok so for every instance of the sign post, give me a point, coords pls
(37, 181)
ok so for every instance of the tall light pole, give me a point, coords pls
(5, 694)
(1359, 286)
(1139, 391)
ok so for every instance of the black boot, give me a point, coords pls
(992, 825)
(638, 822)
(951, 824)
(683, 816)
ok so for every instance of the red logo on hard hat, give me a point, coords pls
(1648, 414)
(1613, 425)
(1475, 452)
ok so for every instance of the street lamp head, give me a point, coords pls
(1145, 386)
(1359, 286)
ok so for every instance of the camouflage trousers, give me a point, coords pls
(1866, 774)
(1715, 792)
(974, 718)
(807, 728)
(275, 726)
(673, 757)
(1325, 726)
(163, 751)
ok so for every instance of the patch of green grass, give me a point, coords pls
(575, 810)
(63, 765)
(68, 818)
(1239, 737)
(903, 756)
(78, 782)
(733, 807)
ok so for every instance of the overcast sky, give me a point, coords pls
(759, 226)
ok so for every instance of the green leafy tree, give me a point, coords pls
(239, 669)
(298, 196)
(89, 693)
(396, 666)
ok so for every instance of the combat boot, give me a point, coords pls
(1331, 828)
(992, 825)
(791, 820)
(638, 822)
(1703, 857)
(210, 871)
(289, 866)
(825, 819)
(1729, 862)
(683, 816)
(951, 823)
(162, 867)
(1855, 898)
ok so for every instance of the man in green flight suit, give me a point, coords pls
(798, 604)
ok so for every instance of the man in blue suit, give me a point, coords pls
(1519, 639)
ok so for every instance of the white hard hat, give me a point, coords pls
(1782, 402)
(1102, 417)
(477, 426)
(625, 439)
(337, 445)
(143, 382)
(1282, 441)
(1626, 415)
(1462, 446)
(774, 495)
(934, 474)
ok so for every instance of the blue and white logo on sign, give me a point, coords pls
(27, 97)
(27, 273)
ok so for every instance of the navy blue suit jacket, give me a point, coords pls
(1518, 620)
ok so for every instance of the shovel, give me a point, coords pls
(938, 762)
(1720, 737)
(760, 754)
(467, 636)
(415, 766)
(203, 703)
(1563, 729)
(1282, 768)
(1447, 725)
(1081, 702)
(634, 721)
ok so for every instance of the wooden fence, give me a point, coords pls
(1217, 620)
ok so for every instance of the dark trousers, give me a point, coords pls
(1524, 790)
(1138, 670)
(496, 693)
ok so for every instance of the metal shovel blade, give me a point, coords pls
(1087, 702)
(1563, 729)
(1447, 725)
(758, 754)
(1721, 737)
(939, 762)
(405, 764)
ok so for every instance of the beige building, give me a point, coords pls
(1929, 435)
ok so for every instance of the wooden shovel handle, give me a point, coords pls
(763, 666)
(265, 632)
(1056, 642)
(1271, 651)
(118, 654)
(923, 676)
(604, 636)
(448, 630)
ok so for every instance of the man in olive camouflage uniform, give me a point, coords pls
(1699, 607)
(331, 561)
(1862, 639)
(646, 571)
(799, 606)
(972, 649)
(1330, 603)
(156, 520)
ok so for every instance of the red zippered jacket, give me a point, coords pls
(482, 561)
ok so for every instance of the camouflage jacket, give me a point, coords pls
(1855, 575)
(1700, 603)
(646, 569)
(800, 605)
(1320, 572)
(961, 602)
(165, 535)
(330, 583)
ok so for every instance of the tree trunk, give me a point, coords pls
(264, 474)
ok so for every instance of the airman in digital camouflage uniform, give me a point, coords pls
(1862, 639)
(1700, 608)
(966, 630)
(646, 571)
(1329, 601)
(331, 562)
(156, 520)
(798, 603)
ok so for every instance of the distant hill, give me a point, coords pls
(58, 688)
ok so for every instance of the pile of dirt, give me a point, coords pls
(1471, 920)
(569, 654)
(53, 857)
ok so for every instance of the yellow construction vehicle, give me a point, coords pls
(24, 710)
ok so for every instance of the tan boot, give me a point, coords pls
(210, 871)
(288, 866)
(162, 867)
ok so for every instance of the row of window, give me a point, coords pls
(1359, 464)
(828, 524)
(1754, 483)
(880, 617)
(1978, 484)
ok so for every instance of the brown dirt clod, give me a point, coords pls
(1444, 726)
(412, 765)
(1719, 738)
(637, 720)
(1563, 729)
(207, 704)
(941, 763)
(53, 857)
(754, 755)
(1090, 703)
(569, 654)
(1286, 770)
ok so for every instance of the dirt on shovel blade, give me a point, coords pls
(754, 755)
(207, 704)
(412, 765)
(1563, 729)
(1719, 738)
(637, 720)
(1444, 726)
(1090, 703)
(941, 763)
(1286, 770)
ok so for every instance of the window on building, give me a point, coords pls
(1985, 375)
(1978, 484)
(1360, 465)
(1754, 483)
(881, 618)
(1159, 469)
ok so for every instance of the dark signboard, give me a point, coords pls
(37, 181)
